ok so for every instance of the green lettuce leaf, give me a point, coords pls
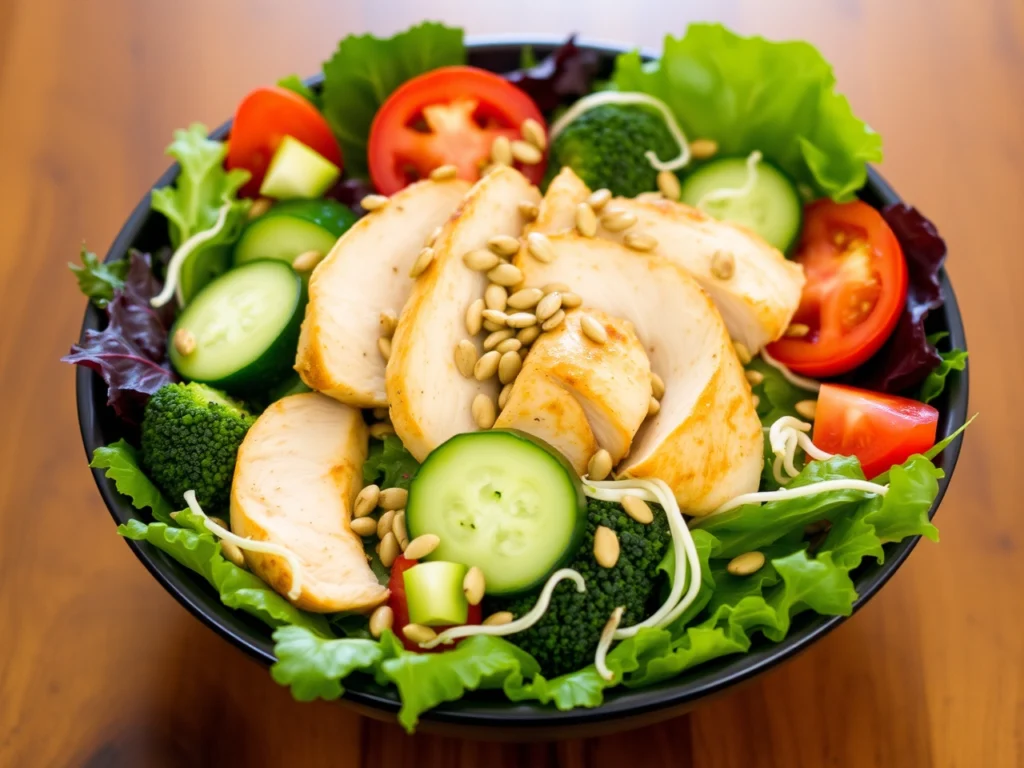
(389, 464)
(98, 280)
(748, 93)
(193, 203)
(314, 666)
(951, 360)
(121, 464)
(365, 70)
(238, 588)
(294, 84)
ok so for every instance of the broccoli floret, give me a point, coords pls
(605, 146)
(566, 637)
(190, 438)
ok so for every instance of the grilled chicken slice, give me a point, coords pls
(365, 274)
(298, 472)
(705, 441)
(580, 396)
(557, 211)
(430, 400)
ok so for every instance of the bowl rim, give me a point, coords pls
(471, 712)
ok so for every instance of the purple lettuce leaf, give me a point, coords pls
(568, 72)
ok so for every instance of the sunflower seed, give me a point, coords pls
(444, 172)
(755, 400)
(384, 523)
(657, 386)
(548, 306)
(259, 206)
(417, 633)
(504, 395)
(754, 377)
(496, 619)
(554, 321)
(492, 327)
(233, 553)
(473, 586)
(483, 411)
(384, 345)
(501, 151)
(797, 330)
(496, 297)
(526, 153)
(528, 335)
(528, 210)
(552, 287)
(393, 498)
(373, 202)
(399, 529)
(486, 366)
(465, 357)
(723, 265)
(606, 547)
(521, 320)
(640, 241)
(586, 220)
(807, 408)
(422, 262)
(618, 220)
(432, 237)
(742, 352)
(363, 526)
(495, 316)
(571, 300)
(496, 338)
(599, 199)
(481, 259)
(593, 330)
(382, 618)
(653, 406)
(745, 564)
(422, 546)
(474, 316)
(380, 413)
(637, 509)
(509, 345)
(600, 465)
(509, 366)
(702, 149)
(533, 132)
(366, 501)
(668, 185)
(504, 245)
(388, 323)
(381, 429)
(505, 274)
(540, 247)
(185, 342)
(526, 298)
(307, 261)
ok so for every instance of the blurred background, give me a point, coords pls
(100, 667)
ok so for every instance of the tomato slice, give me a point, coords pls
(264, 117)
(855, 292)
(400, 606)
(880, 430)
(448, 116)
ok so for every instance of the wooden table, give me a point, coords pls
(99, 667)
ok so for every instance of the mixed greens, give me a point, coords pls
(446, 523)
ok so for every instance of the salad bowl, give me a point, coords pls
(482, 714)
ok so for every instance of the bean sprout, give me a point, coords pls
(173, 285)
(797, 381)
(605, 643)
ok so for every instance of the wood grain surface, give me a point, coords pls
(100, 667)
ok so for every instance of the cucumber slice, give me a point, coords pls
(294, 227)
(296, 171)
(772, 209)
(246, 326)
(500, 500)
(434, 593)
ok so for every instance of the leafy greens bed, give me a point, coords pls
(753, 99)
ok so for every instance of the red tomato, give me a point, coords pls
(448, 116)
(265, 117)
(855, 292)
(400, 606)
(880, 430)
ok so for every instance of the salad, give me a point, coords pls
(534, 382)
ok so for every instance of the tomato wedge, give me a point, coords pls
(400, 606)
(880, 430)
(855, 292)
(449, 116)
(264, 117)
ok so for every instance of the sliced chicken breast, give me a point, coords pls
(297, 475)
(367, 273)
(430, 400)
(705, 441)
(557, 211)
(579, 395)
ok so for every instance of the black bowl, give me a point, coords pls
(486, 715)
